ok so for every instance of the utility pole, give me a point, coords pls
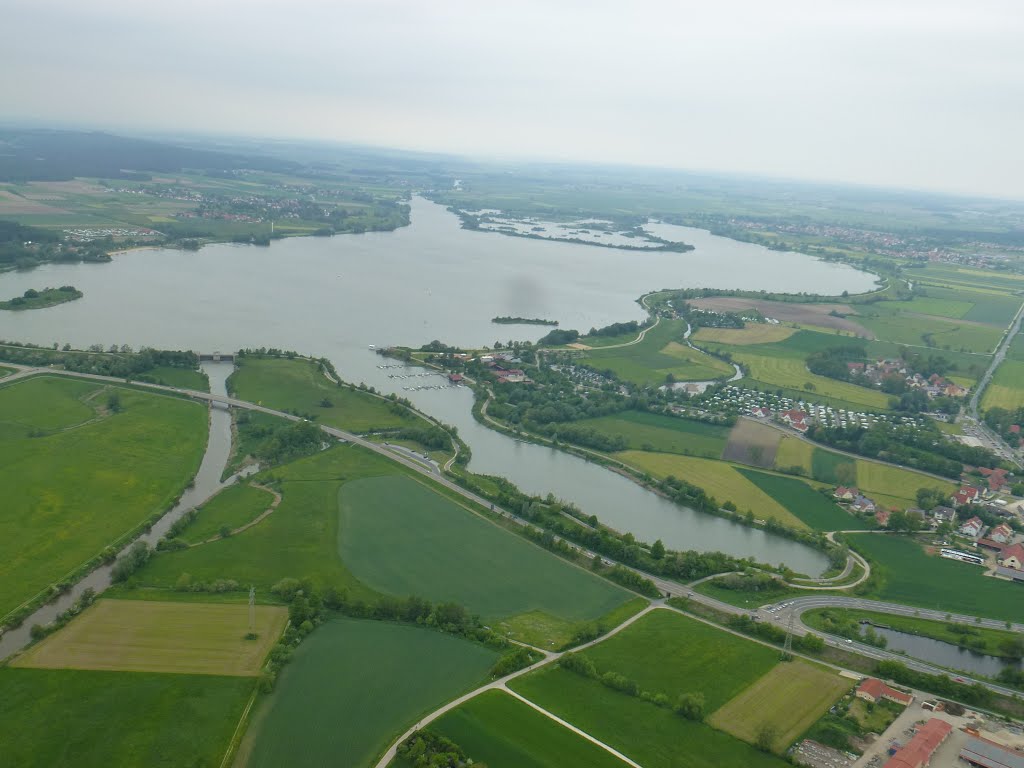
(252, 610)
(787, 650)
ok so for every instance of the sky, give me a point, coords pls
(923, 94)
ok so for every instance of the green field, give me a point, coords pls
(399, 537)
(354, 686)
(77, 476)
(144, 636)
(661, 353)
(73, 719)
(791, 372)
(298, 541)
(666, 652)
(747, 599)
(1006, 390)
(667, 434)
(794, 452)
(233, 507)
(825, 467)
(298, 386)
(814, 509)
(894, 485)
(184, 378)
(912, 577)
(499, 730)
(790, 699)
(652, 736)
(717, 478)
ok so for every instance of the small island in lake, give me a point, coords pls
(48, 297)
(523, 321)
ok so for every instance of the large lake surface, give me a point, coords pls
(432, 280)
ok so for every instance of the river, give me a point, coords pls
(944, 654)
(207, 482)
(431, 280)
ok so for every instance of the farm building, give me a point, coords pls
(873, 690)
(1013, 557)
(919, 750)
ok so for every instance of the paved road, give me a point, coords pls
(667, 588)
(978, 428)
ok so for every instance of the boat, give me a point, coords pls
(372, 346)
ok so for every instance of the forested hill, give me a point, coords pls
(48, 155)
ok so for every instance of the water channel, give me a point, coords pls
(207, 482)
(944, 654)
(431, 280)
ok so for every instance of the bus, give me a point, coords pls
(964, 557)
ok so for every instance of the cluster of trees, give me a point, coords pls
(430, 437)
(809, 643)
(753, 581)
(558, 337)
(119, 362)
(136, 557)
(87, 598)
(832, 362)
(1002, 419)
(688, 705)
(426, 749)
(922, 448)
(974, 694)
(838, 624)
(618, 329)
(285, 442)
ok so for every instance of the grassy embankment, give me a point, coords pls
(80, 475)
(989, 641)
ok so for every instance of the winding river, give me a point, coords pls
(432, 280)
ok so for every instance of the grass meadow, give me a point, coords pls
(720, 479)
(354, 686)
(1006, 390)
(794, 452)
(790, 699)
(667, 434)
(233, 507)
(128, 719)
(652, 736)
(752, 333)
(666, 652)
(909, 575)
(661, 353)
(503, 732)
(78, 477)
(399, 537)
(144, 636)
(298, 386)
(894, 485)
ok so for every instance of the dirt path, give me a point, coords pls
(501, 684)
(256, 521)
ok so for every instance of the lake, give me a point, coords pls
(432, 280)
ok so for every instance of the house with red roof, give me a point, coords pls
(966, 495)
(1001, 533)
(846, 494)
(873, 689)
(882, 517)
(972, 527)
(797, 419)
(761, 412)
(918, 752)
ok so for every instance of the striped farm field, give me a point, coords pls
(1006, 390)
(718, 478)
(790, 698)
(752, 333)
(144, 636)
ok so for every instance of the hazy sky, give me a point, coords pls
(917, 93)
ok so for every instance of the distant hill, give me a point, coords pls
(50, 155)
